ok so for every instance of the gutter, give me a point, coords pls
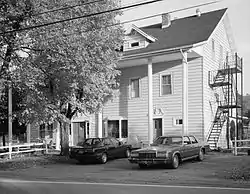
(155, 53)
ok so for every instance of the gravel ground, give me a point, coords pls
(221, 166)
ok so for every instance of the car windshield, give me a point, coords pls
(89, 142)
(167, 141)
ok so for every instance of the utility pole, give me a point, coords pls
(10, 116)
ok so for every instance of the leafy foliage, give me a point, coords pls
(68, 67)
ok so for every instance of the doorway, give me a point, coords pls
(157, 127)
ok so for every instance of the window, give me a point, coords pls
(135, 88)
(115, 142)
(134, 44)
(124, 128)
(213, 49)
(113, 128)
(186, 140)
(178, 122)
(107, 142)
(42, 131)
(166, 84)
(193, 140)
(50, 130)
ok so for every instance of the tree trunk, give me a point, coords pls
(64, 133)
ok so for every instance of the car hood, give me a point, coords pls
(158, 148)
(84, 147)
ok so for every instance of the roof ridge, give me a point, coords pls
(190, 16)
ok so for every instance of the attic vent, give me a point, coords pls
(166, 20)
(134, 44)
(198, 12)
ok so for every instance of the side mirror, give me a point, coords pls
(120, 143)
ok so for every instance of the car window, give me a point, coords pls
(193, 140)
(186, 140)
(96, 141)
(167, 140)
(107, 142)
(115, 142)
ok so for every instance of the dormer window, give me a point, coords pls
(135, 44)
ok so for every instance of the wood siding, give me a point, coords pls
(209, 64)
(136, 109)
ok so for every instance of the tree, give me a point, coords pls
(71, 66)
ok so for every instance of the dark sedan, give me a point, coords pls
(100, 149)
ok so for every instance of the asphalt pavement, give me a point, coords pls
(11, 186)
(120, 177)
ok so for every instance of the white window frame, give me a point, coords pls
(172, 88)
(175, 119)
(130, 87)
(130, 45)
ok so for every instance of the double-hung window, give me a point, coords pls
(135, 88)
(166, 84)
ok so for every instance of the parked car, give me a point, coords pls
(100, 149)
(169, 150)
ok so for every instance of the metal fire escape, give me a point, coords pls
(229, 81)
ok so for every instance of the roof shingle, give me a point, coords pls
(181, 32)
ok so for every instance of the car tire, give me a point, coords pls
(81, 161)
(200, 156)
(175, 161)
(127, 153)
(104, 158)
(142, 166)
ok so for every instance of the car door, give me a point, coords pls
(119, 149)
(187, 147)
(110, 147)
(195, 146)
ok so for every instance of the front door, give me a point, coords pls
(157, 128)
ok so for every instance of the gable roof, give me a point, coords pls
(181, 32)
(149, 37)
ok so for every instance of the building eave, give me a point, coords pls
(149, 37)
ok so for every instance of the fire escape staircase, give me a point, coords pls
(224, 79)
(214, 135)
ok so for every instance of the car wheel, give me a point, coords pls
(201, 155)
(175, 162)
(143, 166)
(127, 153)
(104, 158)
(81, 161)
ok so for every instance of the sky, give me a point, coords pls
(238, 12)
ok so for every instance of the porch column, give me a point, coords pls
(150, 102)
(99, 127)
(58, 137)
(28, 133)
(72, 133)
(106, 128)
(184, 93)
(120, 128)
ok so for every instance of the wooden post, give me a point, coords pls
(184, 93)
(150, 102)
(10, 118)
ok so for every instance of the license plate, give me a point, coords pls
(145, 162)
(81, 152)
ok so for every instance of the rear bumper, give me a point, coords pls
(86, 157)
(150, 161)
